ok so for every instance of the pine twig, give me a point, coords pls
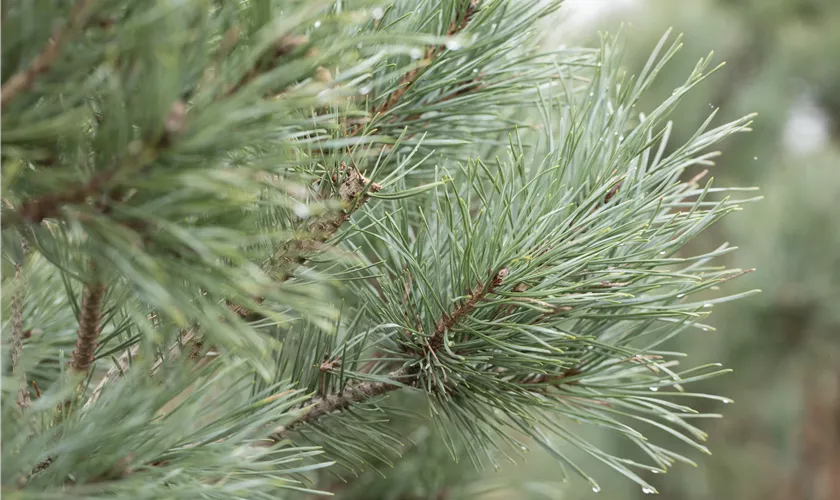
(23, 80)
(448, 321)
(320, 406)
(89, 327)
(324, 405)
(352, 194)
(16, 348)
(37, 209)
(408, 79)
(115, 371)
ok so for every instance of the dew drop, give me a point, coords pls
(711, 105)
(656, 471)
(365, 90)
(707, 305)
(755, 157)
(415, 54)
(301, 211)
(705, 329)
(378, 13)
(647, 491)
(654, 388)
(494, 26)
(681, 295)
(453, 44)
(599, 65)
(592, 94)
(475, 70)
(661, 253)
(726, 401)
(596, 488)
(317, 24)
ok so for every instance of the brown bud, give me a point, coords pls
(289, 43)
(175, 120)
(322, 74)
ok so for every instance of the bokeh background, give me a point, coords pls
(781, 438)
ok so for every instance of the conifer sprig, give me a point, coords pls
(325, 229)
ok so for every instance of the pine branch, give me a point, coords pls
(188, 341)
(322, 229)
(321, 406)
(446, 322)
(48, 206)
(409, 78)
(352, 194)
(43, 61)
(89, 327)
(324, 405)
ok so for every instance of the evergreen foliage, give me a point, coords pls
(252, 247)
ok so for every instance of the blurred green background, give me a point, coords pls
(781, 438)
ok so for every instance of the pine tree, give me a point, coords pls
(258, 249)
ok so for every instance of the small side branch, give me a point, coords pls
(352, 194)
(23, 80)
(447, 321)
(16, 348)
(47, 206)
(330, 403)
(89, 327)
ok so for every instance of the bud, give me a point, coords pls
(175, 120)
(322, 74)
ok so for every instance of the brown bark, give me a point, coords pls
(90, 317)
